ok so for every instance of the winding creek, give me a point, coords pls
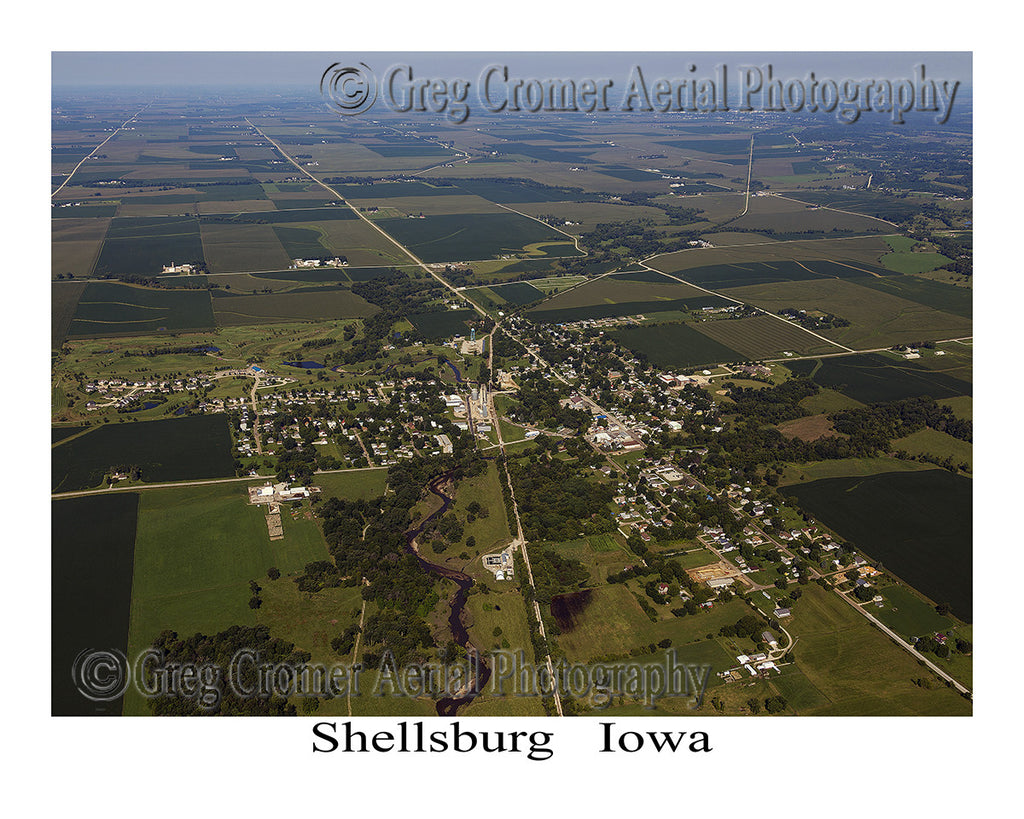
(448, 706)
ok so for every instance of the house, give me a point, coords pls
(779, 613)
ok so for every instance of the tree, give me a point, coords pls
(273, 573)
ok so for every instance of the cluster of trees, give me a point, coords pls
(319, 574)
(255, 601)
(397, 295)
(367, 538)
(878, 424)
(636, 240)
(218, 650)
(554, 574)
(556, 502)
(749, 625)
(825, 322)
(750, 442)
(773, 405)
(403, 634)
(945, 648)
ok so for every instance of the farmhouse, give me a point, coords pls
(280, 493)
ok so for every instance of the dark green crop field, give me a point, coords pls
(82, 211)
(956, 300)
(675, 345)
(301, 242)
(187, 448)
(443, 323)
(106, 308)
(328, 274)
(872, 378)
(518, 292)
(58, 434)
(918, 524)
(312, 303)
(144, 244)
(466, 236)
(92, 552)
(724, 276)
(727, 146)
(642, 276)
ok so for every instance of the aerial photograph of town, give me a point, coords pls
(512, 385)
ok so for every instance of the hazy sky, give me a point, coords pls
(305, 68)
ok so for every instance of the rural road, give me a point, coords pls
(143, 486)
(94, 150)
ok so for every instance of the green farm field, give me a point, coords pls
(908, 614)
(63, 304)
(763, 337)
(877, 319)
(230, 248)
(196, 550)
(462, 237)
(326, 302)
(75, 245)
(142, 245)
(108, 309)
(676, 345)
(92, 551)
(918, 524)
(873, 377)
(929, 441)
(850, 251)
(188, 448)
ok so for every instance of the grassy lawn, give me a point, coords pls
(908, 614)
(847, 467)
(353, 485)
(602, 554)
(857, 668)
(827, 400)
(503, 610)
(962, 406)
(932, 442)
